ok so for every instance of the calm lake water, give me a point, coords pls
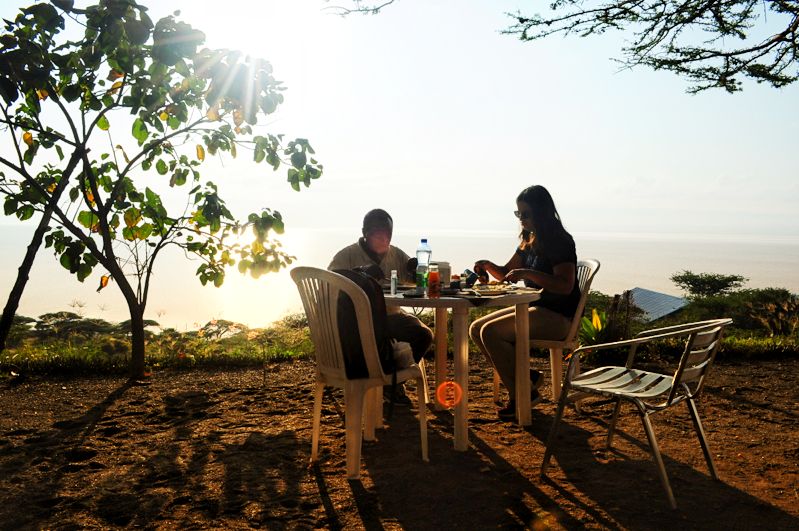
(178, 300)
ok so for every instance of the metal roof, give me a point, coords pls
(656, 305)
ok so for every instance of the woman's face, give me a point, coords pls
(525, 215)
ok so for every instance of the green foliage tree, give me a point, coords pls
(707, 284)
(63, 325)
(713, 44)
(105, 111)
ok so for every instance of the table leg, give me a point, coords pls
(523, 412)
(441, 352)
(460, 329)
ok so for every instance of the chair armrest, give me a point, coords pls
(685, 327)
(647, 337)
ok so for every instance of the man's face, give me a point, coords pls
(378, 239)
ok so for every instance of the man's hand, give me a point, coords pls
(372, 270)
(410, 267)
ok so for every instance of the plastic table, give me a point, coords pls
(460, 326)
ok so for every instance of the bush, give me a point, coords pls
(213, 346)
(768, 311)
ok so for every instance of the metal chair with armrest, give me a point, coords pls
(649, 391)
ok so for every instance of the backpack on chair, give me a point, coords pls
(354, 361)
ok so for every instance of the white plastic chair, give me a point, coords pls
(319, 290)
(649, 391)
(586, 269)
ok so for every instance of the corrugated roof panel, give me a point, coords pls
(654, 304)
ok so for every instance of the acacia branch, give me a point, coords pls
(662, 25)
(369, 9)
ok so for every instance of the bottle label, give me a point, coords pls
(434, 285)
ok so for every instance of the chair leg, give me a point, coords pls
(377, 397)
(556, 370)
(653, 443)
(371, 413)
(425, 388)
(700, 432)
(613, 420)
(553, 432)
(317, 418)
(496, 386)
(422, 405)
(353, 420)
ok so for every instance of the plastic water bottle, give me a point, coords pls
(421, 279)
(394, 281)
(424, 253)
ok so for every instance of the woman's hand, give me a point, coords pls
(515, 275)
(482, 267)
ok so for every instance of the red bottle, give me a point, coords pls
(433, 282)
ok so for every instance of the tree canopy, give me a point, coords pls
(105, 111)
(707, 284)
(712, 43)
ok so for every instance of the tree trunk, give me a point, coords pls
(27, 263)
(136, 341)
(22, 278)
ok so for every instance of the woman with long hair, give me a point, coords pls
(547, 259)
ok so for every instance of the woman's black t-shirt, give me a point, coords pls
(558, 251)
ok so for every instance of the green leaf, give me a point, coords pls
(132, 217)
(87, 219)
(152, 198)
(84, 270)
(73, 194)
(25, 212)
(66, 261)
(103, 124)
(66, 5)
(144, 231)
(161, 167)
(298, 160)
(10, 206)
(139, 131)
(60, 152)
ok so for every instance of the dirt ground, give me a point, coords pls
(230, 449)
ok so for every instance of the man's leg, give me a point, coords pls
(406, 327)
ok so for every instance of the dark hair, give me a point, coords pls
(546, 220)
(377, 219)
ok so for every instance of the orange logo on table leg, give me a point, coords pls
(449, 394)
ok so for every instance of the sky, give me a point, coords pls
(428, 111)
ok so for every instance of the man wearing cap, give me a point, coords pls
(374, 251)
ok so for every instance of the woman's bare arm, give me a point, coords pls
(560, 281)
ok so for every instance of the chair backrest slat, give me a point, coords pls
(586, 270)
(700, 350)
(699, 356)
